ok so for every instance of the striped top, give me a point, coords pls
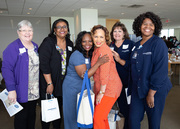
(106, 74)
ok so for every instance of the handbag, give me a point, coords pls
(120, 123)
(50, 109)
(85, 105)
(115, 118)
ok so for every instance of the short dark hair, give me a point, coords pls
(79, 46)
(122, 26)
(106, 32)
(139, 20)
(51, 34)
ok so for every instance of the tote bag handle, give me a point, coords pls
(86, 83)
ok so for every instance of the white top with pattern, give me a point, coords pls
(33, 84)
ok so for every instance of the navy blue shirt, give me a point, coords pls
(124, 52)
(149, 66)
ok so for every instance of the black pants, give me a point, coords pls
(25, 119)
(124, 107)
(56, 123)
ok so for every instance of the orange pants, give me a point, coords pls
(101, 112)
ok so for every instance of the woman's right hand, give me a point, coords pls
(50, 89)
(12, 96)
(103, 59)
(98, 98)
(116, 56)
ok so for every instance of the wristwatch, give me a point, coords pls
(101, 92)
(49, 84)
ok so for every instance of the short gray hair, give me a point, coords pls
(23, 23)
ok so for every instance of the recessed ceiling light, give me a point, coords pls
(28, 13)
(122, 13)
(1, 11)
(30, 8)
(155, 4)
(105, 0)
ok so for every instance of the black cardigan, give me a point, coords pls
(50, 63)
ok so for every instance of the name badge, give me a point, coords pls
(147, 53)
(134, 55)
(125, 46)
(22, 50)
(69, 48)
(86, 61)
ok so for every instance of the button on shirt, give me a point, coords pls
(149, 66)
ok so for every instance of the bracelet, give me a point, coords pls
(101, 92)
(49, 84)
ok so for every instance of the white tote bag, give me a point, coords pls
(50, 109)
(85, 105)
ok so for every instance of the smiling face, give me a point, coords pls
(147, 28)
(61, 29)
(25, 33)
(99, 37)
(87, 42)
(118, 34)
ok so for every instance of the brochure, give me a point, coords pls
(12, 108)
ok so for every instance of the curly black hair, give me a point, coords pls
(79, 46)
(51, 34)
(139, 20)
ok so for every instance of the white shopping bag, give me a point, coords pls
(112, 124)
(50, 110)
(84, 114)
(85, 105)
(115, 119)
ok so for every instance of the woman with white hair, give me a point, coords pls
(20, 69)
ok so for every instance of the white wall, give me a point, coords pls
(77, 23)
(71, 25)
(128, 23)
(89, 18)
(75, 27)
(42, 28)
(8, 29)
(102, 21)
(177, 33)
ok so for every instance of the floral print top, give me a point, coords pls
(33, 84)
(63, 61)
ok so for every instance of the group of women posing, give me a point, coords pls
(141, 67)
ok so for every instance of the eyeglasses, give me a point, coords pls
(61, 27)
(24, 31)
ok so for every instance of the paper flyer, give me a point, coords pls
(12, 108)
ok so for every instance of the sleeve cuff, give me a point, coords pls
(10, 88)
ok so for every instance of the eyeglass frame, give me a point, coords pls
(24, 31)
(61, 27)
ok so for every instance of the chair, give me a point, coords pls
(170, 72)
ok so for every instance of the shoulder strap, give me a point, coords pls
(85, 83)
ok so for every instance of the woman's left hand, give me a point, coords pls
(116, 56)
(150, 101)
(150, 98)
(98, 98)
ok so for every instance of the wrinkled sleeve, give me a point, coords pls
(128, 62)
(77, 59)
(105, 68)
(160, 65)
(10, 56)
